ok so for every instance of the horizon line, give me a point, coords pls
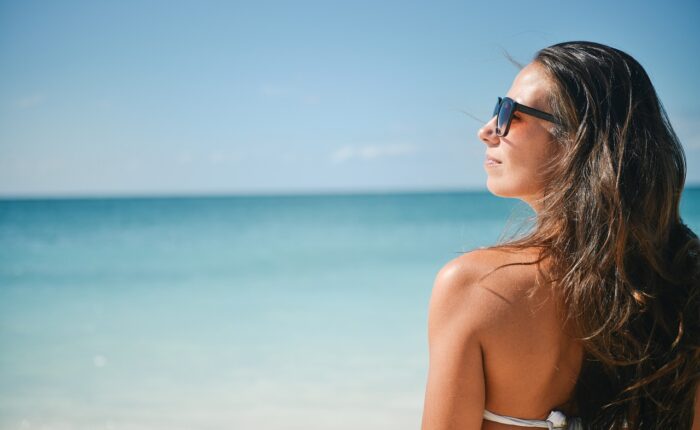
(252, 193)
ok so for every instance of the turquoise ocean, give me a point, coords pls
(242, 312)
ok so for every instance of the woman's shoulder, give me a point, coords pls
(494, 297)
(479, 287)
(489, 266)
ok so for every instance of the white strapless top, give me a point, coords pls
(556, 420)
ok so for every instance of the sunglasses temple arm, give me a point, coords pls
(538, 113)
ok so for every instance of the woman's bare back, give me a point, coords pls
(530, 365)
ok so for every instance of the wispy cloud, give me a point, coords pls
(371, 152)
(30, 101)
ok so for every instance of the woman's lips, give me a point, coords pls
(490, 161)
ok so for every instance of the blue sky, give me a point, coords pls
(201, 97)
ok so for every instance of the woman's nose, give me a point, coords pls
(487, 133)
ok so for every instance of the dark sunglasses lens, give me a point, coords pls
(496, 108)
(504, 113)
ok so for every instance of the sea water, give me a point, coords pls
(243, 312)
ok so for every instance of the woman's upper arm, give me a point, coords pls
(454, 397)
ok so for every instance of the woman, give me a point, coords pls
(592, 319)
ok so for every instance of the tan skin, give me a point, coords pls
(491, 346)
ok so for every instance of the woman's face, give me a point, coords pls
(522, 154)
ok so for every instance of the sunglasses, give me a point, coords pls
(504, 112)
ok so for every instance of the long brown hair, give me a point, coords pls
(624, 268)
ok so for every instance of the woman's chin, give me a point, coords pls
(498, 189)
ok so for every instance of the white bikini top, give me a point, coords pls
(555, 420)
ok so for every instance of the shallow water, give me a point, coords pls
(228, 312)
